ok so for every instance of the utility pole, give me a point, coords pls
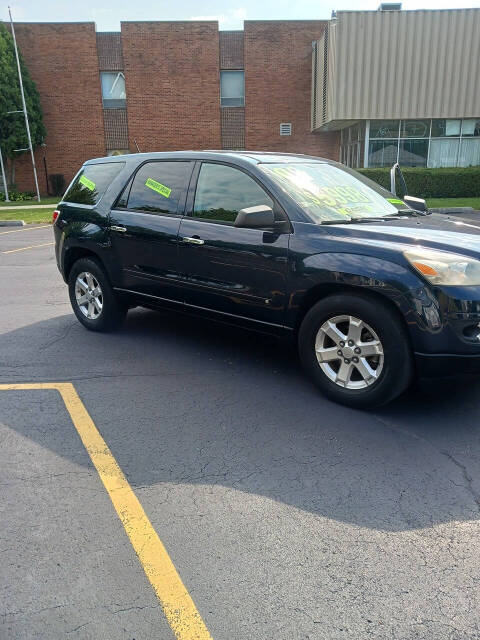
(24, 106)
(7, 199)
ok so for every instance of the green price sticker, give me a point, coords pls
(158, 187)
(395, 201)
(87, 183)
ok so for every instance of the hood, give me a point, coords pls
(437, 231)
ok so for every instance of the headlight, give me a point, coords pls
(440, 267)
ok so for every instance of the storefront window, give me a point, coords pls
(351, 145)
(443, 153)
(470, 128)
(415, 129)
(384, 128)
(445, 128)
(413, 153)
(469, 154)
(447, 142)
(382, 153)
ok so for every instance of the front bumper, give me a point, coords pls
(435, 365)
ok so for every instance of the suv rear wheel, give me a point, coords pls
(356, 350)
(92, 297)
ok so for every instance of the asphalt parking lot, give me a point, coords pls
(285, 516)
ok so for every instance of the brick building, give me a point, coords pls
(170, 85)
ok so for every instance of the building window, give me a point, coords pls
(113, 89)
(232, 89)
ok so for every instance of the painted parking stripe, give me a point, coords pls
(32, 246)
(43, 226)
(177, 604)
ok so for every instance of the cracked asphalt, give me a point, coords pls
(285, 515)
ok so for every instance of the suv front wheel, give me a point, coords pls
(92, 297)
(356, 350)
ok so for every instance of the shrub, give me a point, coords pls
(451, 182)
(17, 196)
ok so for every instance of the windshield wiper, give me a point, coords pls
(341, 221)
(364, 219)
(379, 219)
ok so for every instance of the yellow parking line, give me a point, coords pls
(179, 608)
(32, 246)
(43, 226)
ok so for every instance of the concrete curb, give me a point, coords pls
(12, 223)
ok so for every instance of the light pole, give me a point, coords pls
(7, 199)
(24, 106)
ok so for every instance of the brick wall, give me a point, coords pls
(116, 130)
(109, 46)
(62, 60)
(278, 72)
(233, 128)
(172, 84)
(231, 49)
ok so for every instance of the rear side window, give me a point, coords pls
(222, 191)
(92, 182)
(159, 187)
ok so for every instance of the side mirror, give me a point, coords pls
(417, 204)
(255, 217)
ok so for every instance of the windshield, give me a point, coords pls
(327, 192)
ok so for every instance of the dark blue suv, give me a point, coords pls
(373, 288)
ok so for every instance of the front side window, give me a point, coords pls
(222, 191)
(113, 89)
(328, 193)
(92, 182)
(158, 187)
(232, 89)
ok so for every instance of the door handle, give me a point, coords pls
(193, 240)
(120, 229)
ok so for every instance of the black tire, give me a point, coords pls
(397, 371)
(113, 310)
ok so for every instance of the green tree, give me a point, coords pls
(13, 134)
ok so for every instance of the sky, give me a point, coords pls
(230, 14)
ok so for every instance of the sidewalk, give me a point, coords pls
(28, 206)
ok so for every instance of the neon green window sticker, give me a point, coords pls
(395, 201)
(87, 183)
(158, 187)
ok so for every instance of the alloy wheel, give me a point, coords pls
(88, 295)
(349, 352)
